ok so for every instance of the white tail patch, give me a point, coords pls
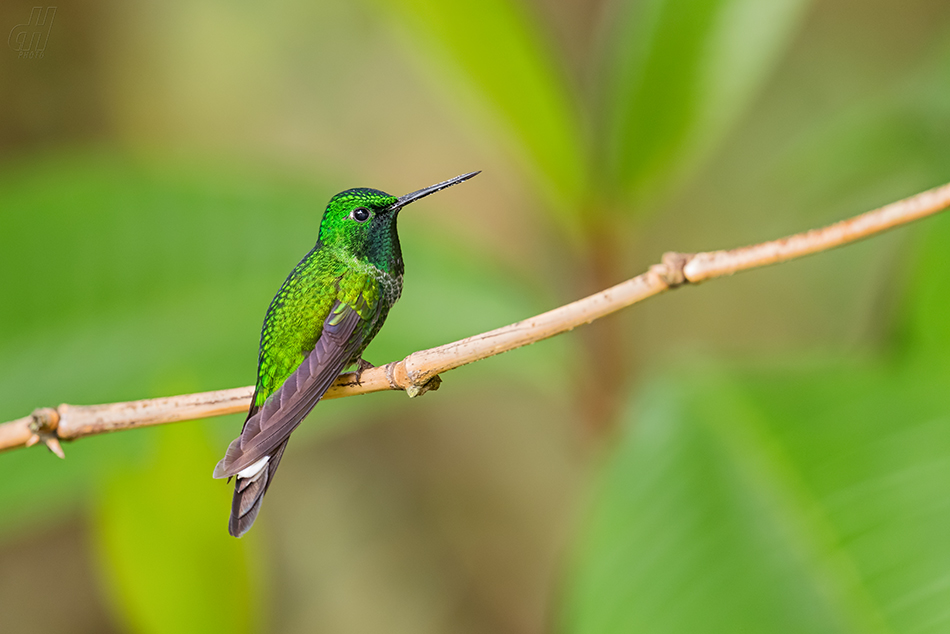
(254, 469)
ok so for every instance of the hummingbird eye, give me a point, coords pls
(360, 214)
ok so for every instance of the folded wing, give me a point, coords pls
(254, 455)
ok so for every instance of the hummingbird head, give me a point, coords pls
(361, 222)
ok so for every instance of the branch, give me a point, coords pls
(419, 372)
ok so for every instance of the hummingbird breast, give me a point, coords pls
(388, 290)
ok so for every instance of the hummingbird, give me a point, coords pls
(321, 320)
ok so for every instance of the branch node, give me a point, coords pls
(44, 423)
(391, 376)
(401, 378)
(672, 269)
(45, 419)
(432, 384)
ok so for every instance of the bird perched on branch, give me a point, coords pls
(324, 315)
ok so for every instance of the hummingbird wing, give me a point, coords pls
(254, 455)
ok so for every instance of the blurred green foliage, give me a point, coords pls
(163, 551)
(804, 494)
(151, 262)
(516, 77)
(799, 486)
(680, 74)
(809, 500)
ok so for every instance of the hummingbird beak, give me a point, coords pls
(422, 193)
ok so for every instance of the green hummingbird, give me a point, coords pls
(321, 320)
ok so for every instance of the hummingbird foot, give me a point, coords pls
(361, 366)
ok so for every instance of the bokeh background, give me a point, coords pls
(764, 453)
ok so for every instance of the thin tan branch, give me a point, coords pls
(419, 372)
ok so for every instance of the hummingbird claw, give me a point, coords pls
(361, 366)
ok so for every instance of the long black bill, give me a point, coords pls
(422, 193)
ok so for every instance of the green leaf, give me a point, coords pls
(492, 51)
(679, 76)
(796, 501)
(165, 550)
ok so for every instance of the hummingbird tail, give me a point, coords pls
(249, 492)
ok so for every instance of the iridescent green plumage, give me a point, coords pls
(324, 315)
(358, 266)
